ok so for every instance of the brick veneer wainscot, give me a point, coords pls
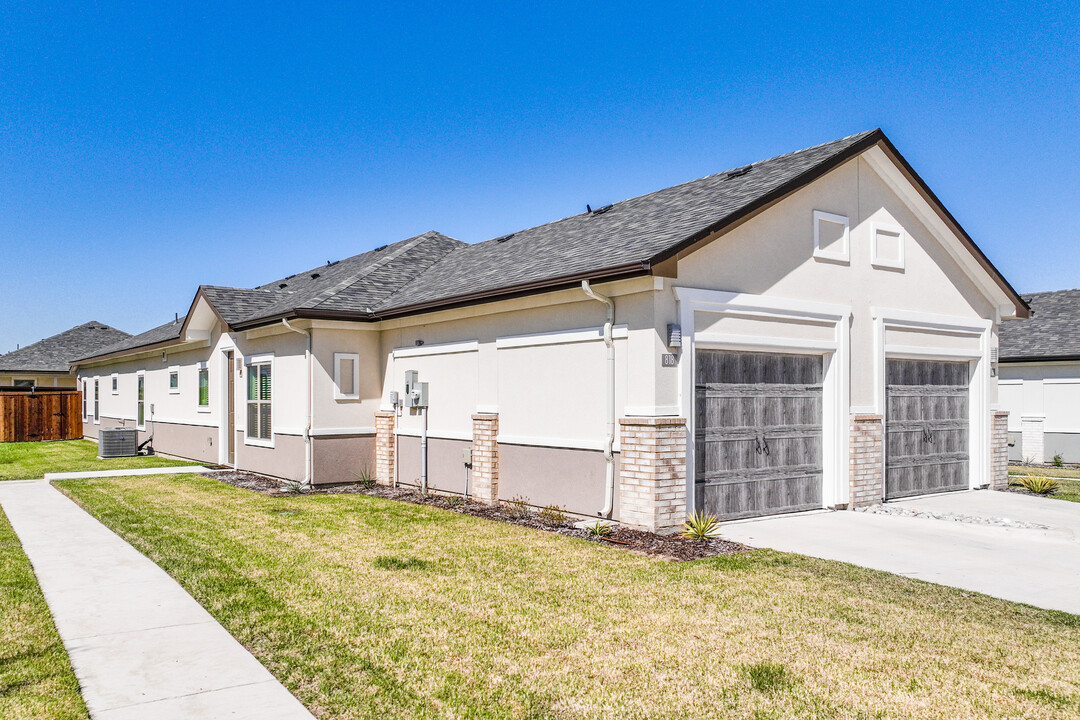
(652, 472)
(484, 485)
(385, 470)
(999, 450)
(867, 464)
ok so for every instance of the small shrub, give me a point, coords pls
(365, 479)
(453, 501)
(1039, 485)
(553, 516)
(700, 526)
(1058, 461)
(599, 529)
(294, 487)
(768, 677)
(517, 507)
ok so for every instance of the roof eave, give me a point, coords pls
(1038, 358)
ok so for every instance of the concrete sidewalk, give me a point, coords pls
(140, 646)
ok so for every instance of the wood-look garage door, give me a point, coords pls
(926, 426)
(757, 433)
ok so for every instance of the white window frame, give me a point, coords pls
(174, 369)
(97, 400)
(203, 367)
(886, 263)
(838, 256)
(338, 358)
(140, 377)
(250, 362)
(85, 399)
(114, 383)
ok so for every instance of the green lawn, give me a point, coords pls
(1070, 489)
(22, 461)
(36, 680)
(369, 608)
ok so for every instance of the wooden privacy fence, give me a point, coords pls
(40, 414)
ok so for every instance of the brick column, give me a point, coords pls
(484, 483)
(866, 475)
(652, 473)
(384, 447)
(999, 450)
(1032, 429)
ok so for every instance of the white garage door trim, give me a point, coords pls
(979, 399)
(836, 381)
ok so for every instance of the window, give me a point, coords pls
(204, 386)
(831, 237)
(97, 401)
(174, 380)
(346, 376)
(85, 398)
(140, 400)
(23, 383)
(887, 246)
(116, 383)
(259, 387)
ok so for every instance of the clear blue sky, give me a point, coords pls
(147, 149)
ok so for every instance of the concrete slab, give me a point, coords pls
(1058, 514)
(127, 473)
(139, 644)
(1037, 567)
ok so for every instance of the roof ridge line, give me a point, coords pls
(348, 280)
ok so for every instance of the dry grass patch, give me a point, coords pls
(36, 680)
(369, 608)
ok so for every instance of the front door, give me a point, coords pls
(926, 426)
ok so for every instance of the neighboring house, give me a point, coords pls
(47, 363)
(764, 321)
(1040, 379)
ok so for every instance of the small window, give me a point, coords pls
(174, 380)
(259, 396)
(20, 382)
(140, 401)
(346, 376)
(887, 246)
(204, 386)
(85, 398)
(116, 383)
(97, 401)
(831, 237)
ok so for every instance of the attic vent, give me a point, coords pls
(381, 247)
(504, 238)
(601, 210)
(314, 276)
(739, 171)
(283, 285)
(332, 262)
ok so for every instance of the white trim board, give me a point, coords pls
(333, 432)
(438, 349)
(559, 337)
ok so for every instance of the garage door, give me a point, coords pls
(926, 449)
(757, 433)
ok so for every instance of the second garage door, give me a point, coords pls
(757, 433)
(926, 426)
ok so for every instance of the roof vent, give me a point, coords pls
(283, 285)
(739, 171)
(381, 247)
(504, 238)
(314, 276)
(599, 210)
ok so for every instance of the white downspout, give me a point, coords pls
(609, 441)
(310, 400)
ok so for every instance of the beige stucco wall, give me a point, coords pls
(40, 379)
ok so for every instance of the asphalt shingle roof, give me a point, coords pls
(1052, 332)
(53, 354)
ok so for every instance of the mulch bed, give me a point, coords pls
(671, 547)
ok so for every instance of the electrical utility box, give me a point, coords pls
(416, 392)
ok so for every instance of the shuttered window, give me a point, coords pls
(204, 386)
(259, 395)
(140, 401)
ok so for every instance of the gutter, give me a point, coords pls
(310, 400)
(609, 441)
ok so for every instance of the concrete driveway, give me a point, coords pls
(1037, 565)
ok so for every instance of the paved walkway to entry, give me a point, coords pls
(140, 646)
(1033, 566)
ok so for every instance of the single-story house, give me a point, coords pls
(1040, 379)
(46, 363)
(814, 330)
